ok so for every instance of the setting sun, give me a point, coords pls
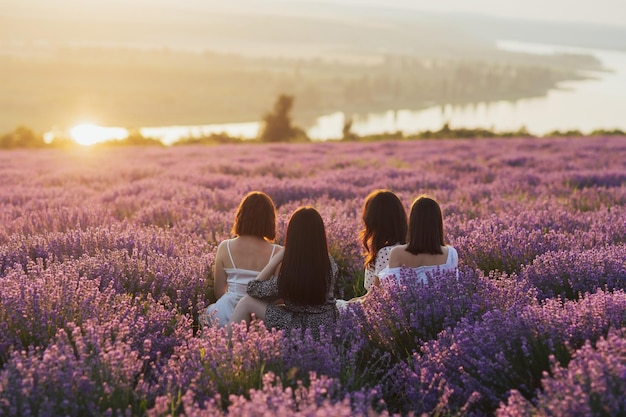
(88, 134)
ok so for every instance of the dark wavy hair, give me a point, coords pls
(384, 223)
(426, 233)
(256, 216)
(304, 276)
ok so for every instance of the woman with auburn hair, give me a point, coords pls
(301, 275)
(426, 251)
(239, 260)
(384, 227)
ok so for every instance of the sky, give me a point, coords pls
(611, 12)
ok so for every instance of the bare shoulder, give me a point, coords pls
(398, 249)
(397, 255)
(222, 246)
(221, 250)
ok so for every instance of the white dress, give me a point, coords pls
(237, 279)
(422, 272)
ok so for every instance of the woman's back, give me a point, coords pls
(241, 259)
(248, 253)
(401, 257)
(420, 266)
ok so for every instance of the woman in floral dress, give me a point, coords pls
(295, 290)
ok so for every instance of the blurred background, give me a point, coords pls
(174, 68)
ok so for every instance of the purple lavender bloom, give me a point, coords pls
(106, 259)
(593, 384)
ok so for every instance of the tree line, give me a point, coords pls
(278, 126)
(149, 88)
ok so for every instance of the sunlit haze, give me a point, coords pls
(181, 68)
(89, 134)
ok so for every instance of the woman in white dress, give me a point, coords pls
(301, 275)
(384, 227)
(239, 260)
(426, 251)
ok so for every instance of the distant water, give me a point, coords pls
(586, 105)
(597, 103)
(171, 134)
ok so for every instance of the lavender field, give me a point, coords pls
(106, 258)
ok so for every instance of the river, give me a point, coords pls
(583, 105)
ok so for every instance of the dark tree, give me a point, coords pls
(347, 134)
(22, 137)
(277, 125)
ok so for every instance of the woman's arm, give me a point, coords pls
(220, 284)
(265, 290)
(272, 267)
(375, 283)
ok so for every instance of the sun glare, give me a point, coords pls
(89, 134)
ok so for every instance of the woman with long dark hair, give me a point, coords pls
(301, 275)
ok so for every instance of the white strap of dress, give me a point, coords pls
(229, 254)
(272, 254)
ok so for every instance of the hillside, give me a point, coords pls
(201, 63)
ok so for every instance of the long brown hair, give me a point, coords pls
(384, 223)
(426, 233)
(256, 216)
(304, 275)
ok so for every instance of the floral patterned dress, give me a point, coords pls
(294, 316)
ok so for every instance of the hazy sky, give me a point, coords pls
(611, 12)
(592, 11)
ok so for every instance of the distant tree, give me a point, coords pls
(22, 137)
(135, 138)
(563, 133)
(277, 125)
(607, 132)
(346, 132)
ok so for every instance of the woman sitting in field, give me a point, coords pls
(426, 251)
(384, 227)
(239, 260)
(301, 274)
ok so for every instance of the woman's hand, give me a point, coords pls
(272, 267)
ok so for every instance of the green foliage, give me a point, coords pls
(447, 133)
(558, 133)
(607, 132)
(212, 139)
(22, 137)
(135, 138)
